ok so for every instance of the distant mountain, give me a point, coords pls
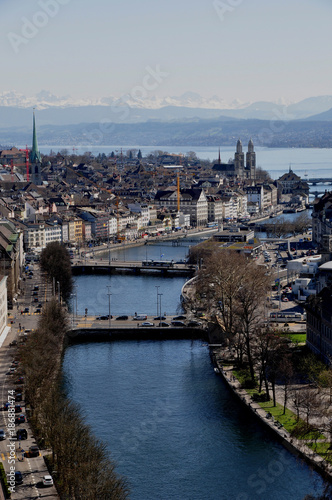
(325, 116)
(193, 133)
(15, 109)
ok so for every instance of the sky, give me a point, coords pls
(250, 50)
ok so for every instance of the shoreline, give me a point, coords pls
(292, 444)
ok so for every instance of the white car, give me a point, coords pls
(47, 481)
(147, 323)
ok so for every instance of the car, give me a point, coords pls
(18, 396)
(158, 318)
(147, 323)
(177, 323)
(20, 419)
(38, 310)
(34, 451)
(36, 288)
(13, 343)
(26, 310)
(40, 304)
(11, 371)
(194, 323)
(18, 477)
(21, 434)
(180, 317)
(35, 293)
(2, 435)
(163, 324)
(100, 318)
(121, 318)
(285, 299)
(18, 409)
(35, 299)
(140, 317)
(47, 480)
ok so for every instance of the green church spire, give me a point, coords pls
(34, 154)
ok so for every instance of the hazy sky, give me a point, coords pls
(235, 49)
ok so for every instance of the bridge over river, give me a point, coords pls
(103, 266)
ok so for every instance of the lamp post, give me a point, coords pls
(58, 283)
(160, 294)
(157, 286)
(109, 305)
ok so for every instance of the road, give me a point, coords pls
(11, 450)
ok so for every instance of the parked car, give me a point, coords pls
(177, 323)
(18, 409)
(140, 317)
(26, 310)
(147, 323)
(194, 323)
(18, 477)
(13, 343)
(20, 419)
(106, 316)
(2, 435)
(34, 451)
(121, 318)
(47, 480)
(21, 434)
(163, 324)
(180, 317)
(160, 318)
(18, 396)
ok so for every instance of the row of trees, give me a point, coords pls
(234, 289)
(55, 263)
(81, 461)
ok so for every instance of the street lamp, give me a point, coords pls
(160, 294)
(109, 305)
(157, 286)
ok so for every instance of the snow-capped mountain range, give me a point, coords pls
(46, 99)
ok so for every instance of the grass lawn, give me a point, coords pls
(322, 449)
(296, 338)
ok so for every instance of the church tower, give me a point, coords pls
(251, 161)
(239, 160)
(35, 158)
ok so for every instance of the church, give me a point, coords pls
(239, 168)
(35, 158)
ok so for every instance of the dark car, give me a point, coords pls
(18, 396)
(34, 293)
(163, 324)
(26, 310)
(177, 323)
(20, 419)
(121, 318)
(103, 317)
(38, 310)
(18, 477)
(34, 451)
(13, 343)
(181, 317)
(36, 288)
(21, 434)
(194, 323)
(18, 409)
(162, 318)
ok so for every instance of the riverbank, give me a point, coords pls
(296, 446)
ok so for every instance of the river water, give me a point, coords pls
(167, 419)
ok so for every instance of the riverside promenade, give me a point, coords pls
(296, 446)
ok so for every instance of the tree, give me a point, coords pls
(139, 154)
(55, 262)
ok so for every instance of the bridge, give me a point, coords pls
(103, 266)
(319, 180)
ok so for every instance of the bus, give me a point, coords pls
(285, 317)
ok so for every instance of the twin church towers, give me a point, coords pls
(242, 166)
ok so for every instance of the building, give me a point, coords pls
(192, 202)
(3, 303)
(291, 184)
(241, 167)
(319, 324)
(322, 222)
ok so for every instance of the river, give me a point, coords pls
(167, 419)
